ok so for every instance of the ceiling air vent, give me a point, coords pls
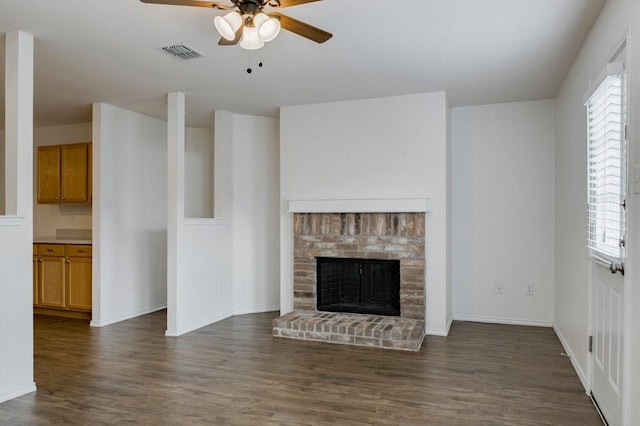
(181, 51)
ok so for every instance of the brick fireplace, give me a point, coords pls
(384, 236)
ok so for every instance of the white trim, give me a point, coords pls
(583, 377)
(436, 332)
(11, 220)
(16, 394)
(439, 331)
(126, 317)
(601, 259)
(380, 205)
(260, 310)
(175, 333)
(612, 68)
(507, 321)
(203, 221)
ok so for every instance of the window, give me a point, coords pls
(606, 166)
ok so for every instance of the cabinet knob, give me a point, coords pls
(51, 250)
(82, 251)
(68, 261)
(40, 260)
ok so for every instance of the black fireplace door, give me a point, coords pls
(363, 286)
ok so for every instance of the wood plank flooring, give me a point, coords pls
(234, 372)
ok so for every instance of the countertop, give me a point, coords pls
(60, 240)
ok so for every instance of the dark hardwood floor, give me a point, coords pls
(234, 372)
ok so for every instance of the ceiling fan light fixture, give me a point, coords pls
(228, 25)
(250, 39)
(268, 28)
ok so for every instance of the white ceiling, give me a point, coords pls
(479, 51)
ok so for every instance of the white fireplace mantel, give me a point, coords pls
(378, 205)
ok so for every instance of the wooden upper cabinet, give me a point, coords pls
(64, 174)
(49, 174)
(90, 172)
(74, 173)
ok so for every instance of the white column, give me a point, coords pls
(19, 124)
(16, 234)
(175, 205)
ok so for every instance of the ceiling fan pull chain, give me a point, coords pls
(249, 67)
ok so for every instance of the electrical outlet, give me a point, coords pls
(498, 287)
(530, 288)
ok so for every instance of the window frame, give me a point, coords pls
(602, 252)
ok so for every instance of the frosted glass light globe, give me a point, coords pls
(268, 28)
(228, 25)
(250, 39)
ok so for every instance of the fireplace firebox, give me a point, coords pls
(363, 286)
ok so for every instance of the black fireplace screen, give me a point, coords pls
(363, 286)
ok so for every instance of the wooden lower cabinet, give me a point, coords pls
(51, 281)
(78, 283)
(63, 277)
(36, 299)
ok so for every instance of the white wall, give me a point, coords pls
(47, 217)
(375, 148)
(1, 171)
(503, 212)
(198, 191)
(16, 231)
(227, 265)
(16, 313)
(199, 258)
(572, 280)
(256, 237)
(129, 214)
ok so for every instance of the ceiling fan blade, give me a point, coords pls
(211, 4)
(289, 3)
(224, 42)
(302, 29)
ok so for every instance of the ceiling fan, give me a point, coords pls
(247, 23)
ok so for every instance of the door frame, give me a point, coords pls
(622, 45)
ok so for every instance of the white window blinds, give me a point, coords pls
(606, 165)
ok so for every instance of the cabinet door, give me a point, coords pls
(74, 179)
(79, 283)
(48, 174)
(51, 281)
(35, 274)
(35, 280)
(90, 173)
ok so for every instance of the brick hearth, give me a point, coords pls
(397, 236)
(351, 329)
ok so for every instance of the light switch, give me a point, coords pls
(636, 180)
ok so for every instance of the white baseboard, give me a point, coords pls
(567, 349)
(439, 331)
(126, 317)
(507, 321)
(259, 310)
(16, 394)
(177, 333)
